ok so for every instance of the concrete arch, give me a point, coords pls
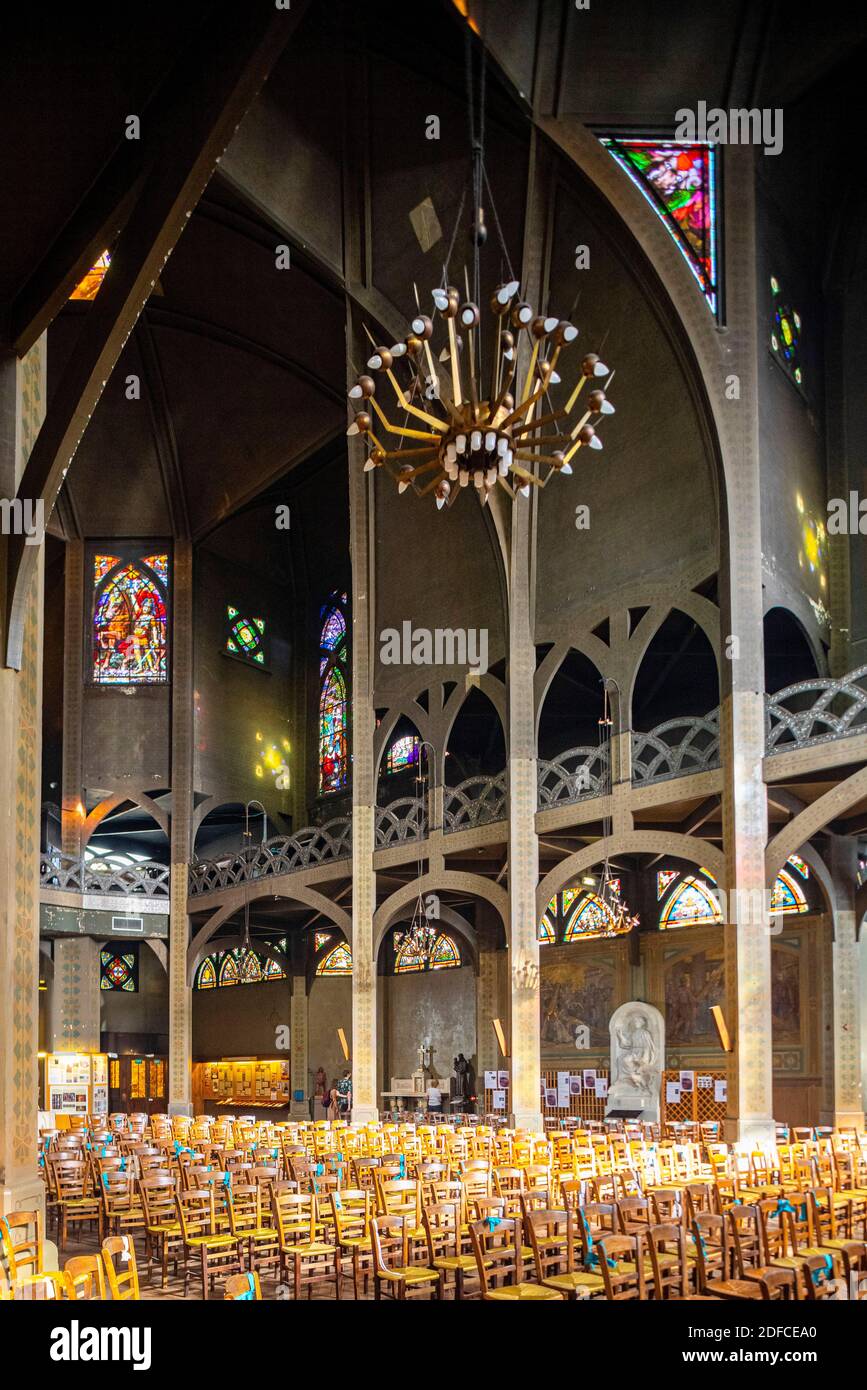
(137, 796)
(383, 735)
(704, 613)
(228, 943)
(813, 819)
(493, 690)
(593, 648)
(813, 858)
(388, 910)
(459, 926)
(699, 852)
(235, 900)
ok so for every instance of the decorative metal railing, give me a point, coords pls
(676, 748)
(401, 820)
(477, 801)
(315, 844)
(817, 711)
(62, 873)
(576, 774)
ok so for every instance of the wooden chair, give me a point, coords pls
(558, 1260)
(21, 1243)
(393, 1274)
(217, 1251)
(621, 1264)
(752, 1260)
(121, 1204)
(307, 1258)
(443, 1223)
(669, 1265)
(352, 1209)
(77, 1200)
(50, 1284)
(162, 1227)
(121, 1270)
(251, 1225)
(86, 1275)
(243, 1288)
(497, 1250)
(827, 1234)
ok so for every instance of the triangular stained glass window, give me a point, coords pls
(679, 181)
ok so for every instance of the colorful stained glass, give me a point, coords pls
(445, 953)
(251, 969)
(88, 285)
(567, 898)
(332, 732)
(590, 918)
(691, 905)
(207, 976)
(320, 939)
(102, 564)
(786, 895)
(229, 969)
(403, 753)
(785, 333)
(679, 182)
(337, 962)
(272, 970)
(797, 863)
(407, 958)
(333, 629)
(545, 932)
(129, 623)
(664, 879)
(245, 637)
(160, 566)
(118, 970)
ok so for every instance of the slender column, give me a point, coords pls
(361, 522)
(22, 409)
(299, 1066)
(848, 1095)
(180, 996)
(75, 1003)
(486, 1011)
(73, 679)
(742, 720)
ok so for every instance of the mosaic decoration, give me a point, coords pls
(119, 970)
(333, 699)
(692, 905)
(245, 637)
(130, 639)
(785, 333)
(89, 285)
(679, 182)
(402, 754)
(444, 954)
(664, 879)
(590, 919)
(238, 967)
(337, 962)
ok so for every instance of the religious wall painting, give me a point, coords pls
(694, 982)
(786, 953)
(577, 990)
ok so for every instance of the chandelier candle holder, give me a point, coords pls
(477, 438)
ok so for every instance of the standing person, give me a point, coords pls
(434, 1098)
(342, 1094)
(321, 1090)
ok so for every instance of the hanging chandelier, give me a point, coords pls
(493, 415)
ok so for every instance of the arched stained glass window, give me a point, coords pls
(664, 879)
(690, 905)
(590, 918)
(798, 863)
(130, 621)
(272, 970)
(89, 285)
(320, 938)
(678, 179)
(118, 970)
(337, 962)
(207, 976)
(333, 699)
(251, 969)
(229, 974)
(402, 753)
(445, 954)
(787, 895)
(546, 933)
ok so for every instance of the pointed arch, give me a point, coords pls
(690, 904)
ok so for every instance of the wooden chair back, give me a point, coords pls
(121, 1271)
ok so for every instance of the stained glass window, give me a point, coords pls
(251, 969)
(787, 895)
(337, 962)
(272, 970)
(797, 863)
(590, 918)
(402, 753)
(690, 905)
(333, 699)
(664, 879)
(785, 333)
(88, 285)
(130, 620)
(229, 969)
(238, 967)
(679, 182)
(207, 976)
(444, 955)
(320, 938)
(119, 970)
(245, 637)
(546, 932)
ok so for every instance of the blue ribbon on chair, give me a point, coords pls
(41, 1161)
(592, 1257)
(492, 1222)
(783, 1204)
(105, 1181)
(251, 1291)
(402, 1160)
(819, 1275)
(227, 1179)
(320, 1169)
(123, 1164)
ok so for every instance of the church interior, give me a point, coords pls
(477, 916)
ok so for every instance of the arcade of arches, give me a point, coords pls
(224, 797)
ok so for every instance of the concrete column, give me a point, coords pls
(848, 1094)
(365, 1100)
(180, 996)
(299, 1065)
(72, 790)
(22, 410)
(742, 724)
(75, 998)
(862, 976)
(487, 1053)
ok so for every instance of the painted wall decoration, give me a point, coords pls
(694, 982)
(577, 989)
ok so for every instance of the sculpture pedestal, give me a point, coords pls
(637, 1103)
(637, 1058)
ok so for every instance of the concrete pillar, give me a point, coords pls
(75, 997)
(742, 723)
(862, 975)
(365, 1100)
(180, 996)
(299, 1066)
(72, 790)
(487, 1053)
(22, 410)
(848, 1093)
